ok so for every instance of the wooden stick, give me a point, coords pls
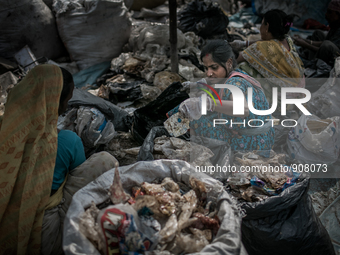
(173, 35)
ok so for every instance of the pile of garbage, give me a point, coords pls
(125, 87)
(260, 177)
(174, 213)
(164, 212)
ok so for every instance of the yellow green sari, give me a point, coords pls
(28, 149)
(280, 67)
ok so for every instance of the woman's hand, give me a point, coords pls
(187, 85)
(299, 41)
(297, 37)
(192, 107)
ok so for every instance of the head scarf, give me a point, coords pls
(28, 149)
(334, 5)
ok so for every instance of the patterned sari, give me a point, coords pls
(280, 67)
(239, 137)
(28, 148)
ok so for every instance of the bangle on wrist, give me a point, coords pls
(211, 104)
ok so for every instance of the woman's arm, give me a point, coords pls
(227, 107)
(308, 44)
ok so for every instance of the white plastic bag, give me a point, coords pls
(92, 127)
(227, 240)
(325, 101)
(92, 31)
(314, 140)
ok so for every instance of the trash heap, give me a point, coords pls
(167, 216)
(185, 215)
(120, 106)
(260, 177)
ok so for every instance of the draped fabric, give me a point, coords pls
(274, 66)
(273, 61)
(28, 148)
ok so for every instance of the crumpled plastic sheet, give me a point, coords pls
(285, 224)
(227, 240)
(330, 219)
(325, 102)
(67, 121)
(222, 154)
(114, 113)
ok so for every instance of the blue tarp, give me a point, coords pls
(90, 75)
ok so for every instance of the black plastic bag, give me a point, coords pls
(126, 91)
(285, 224)
(118, 116)
(146, 150)
(154, 113)
(204, 20)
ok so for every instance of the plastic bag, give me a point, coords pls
(66, 121)
(314, 140)
(325, 102)
(115, 114)
(93, 128)
(330, 220)
(158, 35)
(177, 124)
(125, 91)
(285, 224)
(121, 229)
(92, 31)
(146, 150)
(227, 240)
(28, 22)
(154, 113)
(222, 155)
(316, 73)
(205, 20)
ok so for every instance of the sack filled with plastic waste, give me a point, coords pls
(31, 23)
(92, 31)
(314, 140)
(118, 116)
(93, 127)
(325, 102)
(121, 182)
(203, 19)
(285, 224)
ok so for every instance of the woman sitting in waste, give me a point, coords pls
(274, 57)
(219, 62)
(33, 158)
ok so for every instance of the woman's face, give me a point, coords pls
(264, 30)
(212, 69)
